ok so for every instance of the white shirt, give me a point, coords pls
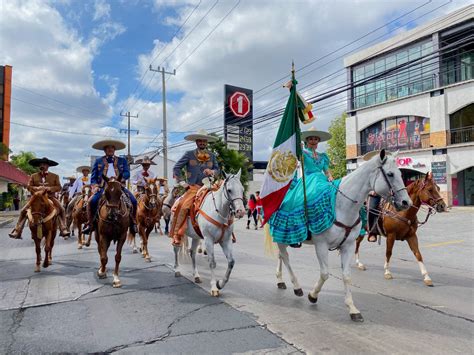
(111, 171)
(77, 186)
(139, 179)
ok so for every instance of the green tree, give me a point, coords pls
(21, 162)
(337, 146)
(230, 161)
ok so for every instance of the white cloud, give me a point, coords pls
(101, 10)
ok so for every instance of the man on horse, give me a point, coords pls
(76, 189)
(67, 186)
(163, 188)
(109, 165)
(199, 164)
(43, 180)
(139, 179)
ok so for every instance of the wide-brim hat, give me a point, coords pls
(44, 160)
(370, 155)
(83, 167)
(201, 134)
(146, 160)
(100, 145)
(313, 132)
(71, 178)
(161, 178)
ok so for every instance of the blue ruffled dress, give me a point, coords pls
(288, 225)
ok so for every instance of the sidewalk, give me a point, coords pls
(7, 217)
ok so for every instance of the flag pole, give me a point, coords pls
(301, 157)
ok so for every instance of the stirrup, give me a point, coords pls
(296, 245)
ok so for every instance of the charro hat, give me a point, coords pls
(38, 161)
(313, 132)
(100, 145)
(200, 134)
(145, 160)
(370, 155)
(83, 167)
(72, 177)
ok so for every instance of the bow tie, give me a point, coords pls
(145, 174)
(110, 160)
(84, 179)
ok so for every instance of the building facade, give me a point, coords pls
(414, 93)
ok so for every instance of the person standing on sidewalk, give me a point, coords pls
(252, 211)
(259, 209)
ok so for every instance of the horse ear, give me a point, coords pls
(382, 155)
(239, 173)
(106, 179)
(224, 174)
(428, 176)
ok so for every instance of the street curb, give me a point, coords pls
(6, 221)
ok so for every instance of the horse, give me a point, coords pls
(379, 174)
(148, 214)
(403, 225)
(167, 205)
(64, 198)
(215, 221)
(42, 220)
(79, 216)
(112, 225)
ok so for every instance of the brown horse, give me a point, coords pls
(112, 225)
(42, 217)
(403, 225)
(79, 216)
(148, 214)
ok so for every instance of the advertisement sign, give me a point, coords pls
(438, 168)
(238, 119)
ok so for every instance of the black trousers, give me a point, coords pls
(374, 203)
(252, 213)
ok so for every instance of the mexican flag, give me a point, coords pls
(284, 159)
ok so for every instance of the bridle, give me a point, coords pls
(149, 196)
(228, 198)
(392, 191)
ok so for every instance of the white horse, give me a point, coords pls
(381, 175)
(215, 223)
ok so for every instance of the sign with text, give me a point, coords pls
(438, 168)
(238, 119)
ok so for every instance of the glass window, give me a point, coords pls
(414, 52)
(370, 93)
(379, 66)
(369, 70)
(390, 62)
(402, 57)
(380, 93)
(426, 48)
(359, 73)
(467, 65)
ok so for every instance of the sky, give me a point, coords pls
(79, 64)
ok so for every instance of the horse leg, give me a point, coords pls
(388, 255)
(227, 249)
(413, 243)
(80, 236)
(89, 238)
(322, 253)
(145, 243)
(346, 257)
(194, 246)
(286, 260)
(167, 226)
(177, 268)
(212, 266)
(38, 254)
(359, 264)
(279, 274)
(134, 244)
(103, 246)
(118, 257)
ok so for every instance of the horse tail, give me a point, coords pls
(269, 246)
(130, 238)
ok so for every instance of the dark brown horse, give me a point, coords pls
(79, 216)
(42, 217)
(403, 225)
(112, 225)
(148, 214)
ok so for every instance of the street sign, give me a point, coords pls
(239, 104)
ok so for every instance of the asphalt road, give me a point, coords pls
(65, 308)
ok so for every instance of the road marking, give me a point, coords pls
(443, 243)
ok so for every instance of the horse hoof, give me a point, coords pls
(218, 285)
(79, 246)
(312, 299)
(361, 267)
(117, 284)
(177, 274)
(135, 251)
(148, 259)
(37, 269)
(357, 317)
(388, 276)
(298, 292)
(101, 275)
(88, 244)
(197, 280)
(428, 283)
(205, 252)
(199, 250)
(281, 285)
(215, 293)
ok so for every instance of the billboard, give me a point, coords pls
(238, 119)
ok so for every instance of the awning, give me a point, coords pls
(12, 174)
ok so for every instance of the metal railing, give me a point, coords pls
(461, 135)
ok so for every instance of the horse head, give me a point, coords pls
(39, 204)
(151, 191)
(113, 191)
(428, 192)
(388, 183)
(234, 193)
(86, 193)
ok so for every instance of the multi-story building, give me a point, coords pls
(414, 93)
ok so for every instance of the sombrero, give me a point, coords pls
(71, 177)
(161, 179)
(370, 155)
(201, 134)
(100, 145)
(83, 167)
(312, 132)
(145, 160)
(38, 161)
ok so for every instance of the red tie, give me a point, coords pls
(145, 174)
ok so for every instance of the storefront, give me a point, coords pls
(463, 187)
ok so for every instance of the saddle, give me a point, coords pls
(196, 206)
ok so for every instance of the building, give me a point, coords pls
(415, 93)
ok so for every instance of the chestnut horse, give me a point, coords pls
(79, 216)
(112, 225)
(148, 214)
(42, 221)
(403, 225)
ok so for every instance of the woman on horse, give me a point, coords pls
(291, 214)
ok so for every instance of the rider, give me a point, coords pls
(138, 179)
(163, 188)
(43, 180)
(67, 187)
(76, 189)
(111, 166)
(199, 163)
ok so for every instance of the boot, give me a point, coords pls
(16, 232)
(63, 232)
(133, 224)
(178, 226)
(248, 224)
(90, 221)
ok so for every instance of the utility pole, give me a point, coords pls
(129, 156)
(165, 131)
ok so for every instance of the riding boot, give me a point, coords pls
(16, 232)
(178, 231)
(63, 232)
(133, 224)
(90, 221)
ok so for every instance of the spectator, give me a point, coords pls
(252, 211)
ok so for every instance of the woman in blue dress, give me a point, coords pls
(289, 225)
